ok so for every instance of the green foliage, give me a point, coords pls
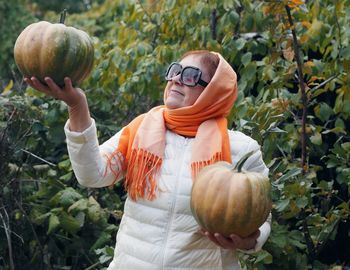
(72, 227)
(14, 17)
(72, 6)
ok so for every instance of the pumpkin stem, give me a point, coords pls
(243, 159)
(63, 16)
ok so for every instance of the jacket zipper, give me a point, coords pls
(173, 202)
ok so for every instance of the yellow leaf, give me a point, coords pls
(7, 88)
(315, 29)
(337, 267)
(306, 24)
(304, 39)
(297, 2)
(309, 64)
(347, 93)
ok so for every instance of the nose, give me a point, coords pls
(177, 79)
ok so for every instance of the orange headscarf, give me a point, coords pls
(142, 142)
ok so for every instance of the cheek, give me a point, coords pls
(165, 96)
(193, 95)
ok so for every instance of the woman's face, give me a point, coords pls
(180, 95)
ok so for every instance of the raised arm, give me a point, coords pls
(89, 160)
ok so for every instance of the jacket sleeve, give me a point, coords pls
(89, 159)
(240, 145)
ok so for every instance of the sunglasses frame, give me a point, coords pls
(199, 81)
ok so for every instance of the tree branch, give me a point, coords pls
(30, 153)
(93, 266)
(6, 224)
(155, 33)
(321, 247)
(323, 83)
(309, 242)
(213, 21)
(302, 89)
(41, 249)
(7, 124)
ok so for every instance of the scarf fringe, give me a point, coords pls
(116, 163)
(143, 167)
(141, 171)
(197, 166)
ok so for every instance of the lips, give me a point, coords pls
(176, 92)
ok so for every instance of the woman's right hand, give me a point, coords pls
(70, 95)
(75, 98)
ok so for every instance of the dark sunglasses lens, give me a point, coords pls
(190, 76)
(173, 71)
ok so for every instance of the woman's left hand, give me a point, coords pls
(234, 241)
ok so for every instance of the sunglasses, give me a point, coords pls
(190, 76)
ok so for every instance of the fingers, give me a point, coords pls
(219, 239)
(234, 241)
(213, 238)
(68, 83)
(248, 242)
(51, 88)
(227, 243)
(36, 84)
(55, 89)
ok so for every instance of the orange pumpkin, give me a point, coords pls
(227, 201)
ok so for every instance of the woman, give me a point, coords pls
(159, 154)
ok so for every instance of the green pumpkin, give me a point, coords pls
(54, 50)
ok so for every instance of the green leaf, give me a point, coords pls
(323, 111)
(65, 164)
(69, 223)
(228, 4)
(95, 213)
(170, 4)
(345, 52)
(316, 138)
(246, 58)
(249, 71)
(66, 197)
(346, 146)
(53, 223)
(66, 177)
(302, 202)
(80, 205)
(290, 174)
(69, 196)
(105, 254)
(281, 205)
(101, 241)
(39, 219)
(239, 43)
(335, 130)
(264, 256)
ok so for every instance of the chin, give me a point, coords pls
(172, 104)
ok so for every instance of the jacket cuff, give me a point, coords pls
(81, 137)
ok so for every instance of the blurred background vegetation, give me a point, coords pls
(48, 221)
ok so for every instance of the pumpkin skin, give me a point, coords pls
(229, 202)
(54, 50)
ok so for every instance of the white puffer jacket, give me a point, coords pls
(161, 234)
